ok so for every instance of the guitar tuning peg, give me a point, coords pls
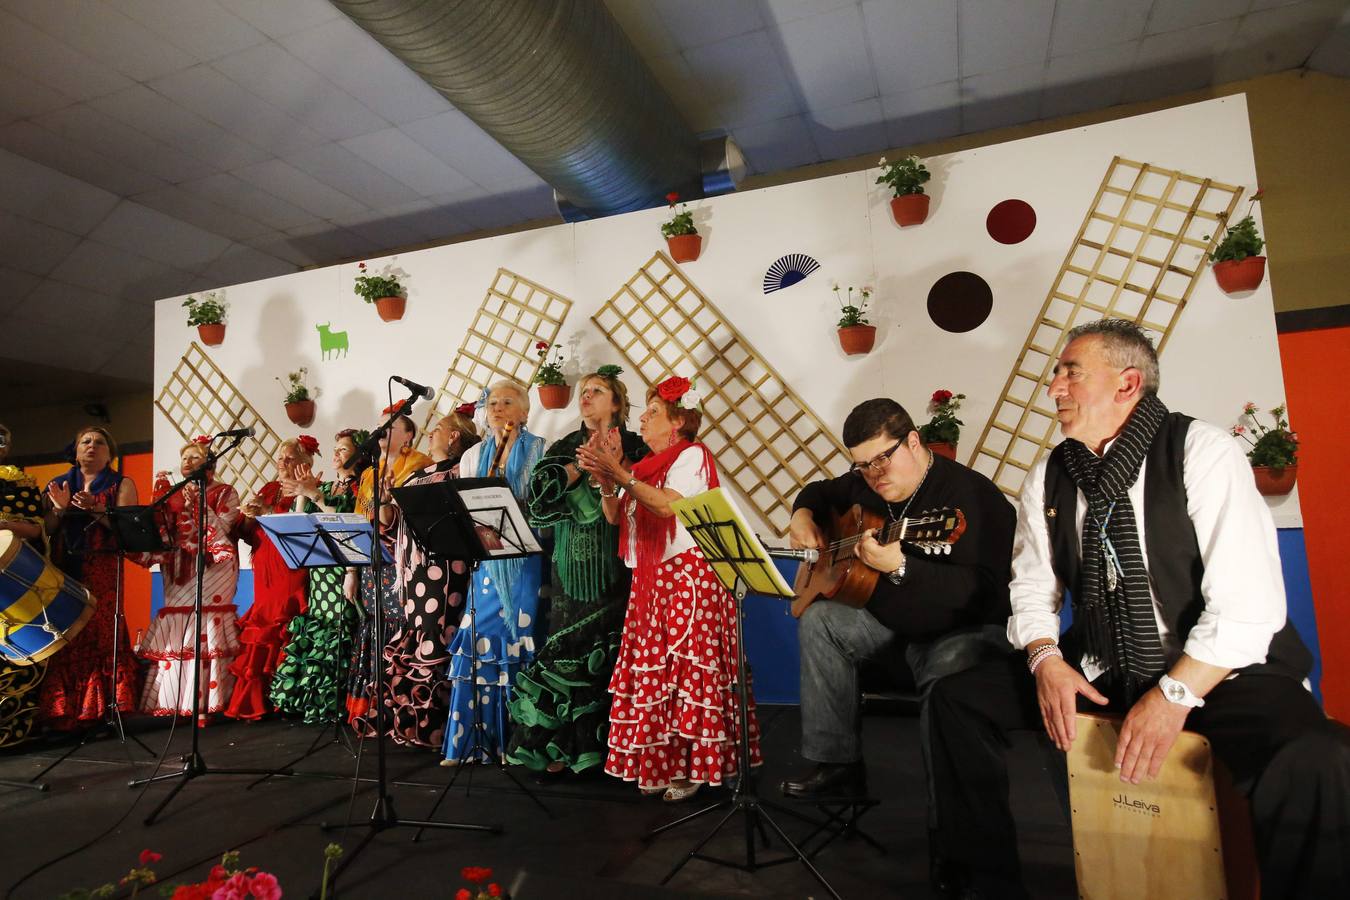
(947, 549)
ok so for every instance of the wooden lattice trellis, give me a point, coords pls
(1122, 263)
(515, 313)
(198, 399)
(767, 442)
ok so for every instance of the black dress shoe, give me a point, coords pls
(829, 781)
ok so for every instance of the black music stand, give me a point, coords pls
(474, 519)
(314, 540)
(134, 529)
(739, 561)
(383, 816)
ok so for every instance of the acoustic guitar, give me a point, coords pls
(840, 576)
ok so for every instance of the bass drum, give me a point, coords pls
(41, 608)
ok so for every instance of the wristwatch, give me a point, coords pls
(898, 575)
(1178, 692)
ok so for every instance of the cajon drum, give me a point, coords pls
(1159, 838)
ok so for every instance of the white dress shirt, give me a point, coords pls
(1243, 585)
(687, 479)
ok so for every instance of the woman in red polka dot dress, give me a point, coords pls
(674, 724)
(169, 641)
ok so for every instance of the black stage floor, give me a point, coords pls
(591, 846)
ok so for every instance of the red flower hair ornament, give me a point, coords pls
(466, 410)
(679, 391)
(395, 409)
(308, 443)
(202, 440)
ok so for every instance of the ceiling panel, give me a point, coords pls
(1333, 56)
(329, 243)
(212, 95)
(644, 26)
(33, 247)
(140, 229)
(133, 360)
(1000, 99)
(270, 72)
(1004, 34)
(696, 23)
(100, 132)
(180, 202)
(926, 114)
(233, 193)
(80, 309)
(21, 96)
(289, 183)
(340, 168)
(356, 62)
(827, 56)
(1082, 25)
(776, 145)
(849, 130)
(455, 140)
(75, 160)
(1174, 15)
(279, 19)
(111, 270)
(1177, 61)
(55, 64)
(101, 32)
(14, 286)
(1094, 79)
(912, 44)
(240, 263)
(166, 121)
(205, 31)
(791, 10)
(45, 195)
(1276, 39)
(744, 80)
(399, 156)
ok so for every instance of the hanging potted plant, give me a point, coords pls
(906, 178)
(554, 391)
(943, 431)
(208, 314)
(682, 238)
(856, 336)
(299, 398)
(1273, 453)
(382, 290)
(1238, 266)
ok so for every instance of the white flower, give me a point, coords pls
(690, 399)
(882, 161)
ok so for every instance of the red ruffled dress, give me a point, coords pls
(675, 690)
(278, 595)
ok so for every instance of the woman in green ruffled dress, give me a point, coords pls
(561, 702)
(311, 679)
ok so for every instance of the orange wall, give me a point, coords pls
(1313, 363)
(135, 580)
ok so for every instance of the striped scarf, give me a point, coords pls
(1113, 602)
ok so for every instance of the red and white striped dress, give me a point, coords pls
(169, 640)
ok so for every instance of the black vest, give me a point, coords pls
(1174, 563)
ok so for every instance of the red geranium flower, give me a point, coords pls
(494, 890)
(463, 894)
(475, 874)
(940, 397)
(541, 345)
(308, 443)
(673, 197)
(150, 856)
(672, 389)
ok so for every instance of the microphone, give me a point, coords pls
(807, 556)
(237, 433)
(418, 390)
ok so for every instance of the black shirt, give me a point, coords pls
(939, 594)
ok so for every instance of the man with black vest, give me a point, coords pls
(1152, 522)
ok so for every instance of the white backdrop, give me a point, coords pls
(1222, 353)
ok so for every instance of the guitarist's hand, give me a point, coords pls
(803, 533)
(882, 557)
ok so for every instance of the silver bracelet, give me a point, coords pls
(1041, 654)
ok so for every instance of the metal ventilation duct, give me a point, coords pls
(555, 82)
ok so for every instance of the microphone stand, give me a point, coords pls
(383, 816)
(194, 764)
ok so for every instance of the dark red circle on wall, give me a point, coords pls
(959, 302)
(1011, 222)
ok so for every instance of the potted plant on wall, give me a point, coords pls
(682, 238)
(943, 431)
(1273, 453)
(554, 391)
(208, 314)
(382, 290)
(1238, 265)
(856, 336)
(906, 178)
(299, 398)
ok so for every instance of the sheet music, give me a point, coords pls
(498, 521)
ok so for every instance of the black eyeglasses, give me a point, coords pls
(877, 463)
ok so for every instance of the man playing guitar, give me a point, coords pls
(944, 612)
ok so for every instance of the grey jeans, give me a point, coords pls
(835, 638)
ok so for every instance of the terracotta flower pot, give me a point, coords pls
(301, 412)
(1272, 482)
(910, 209)
(391, 308)
(856, 339)
(942, 448)
(554, 396)
(1237, 275)
(212, 335)
(685, 247)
